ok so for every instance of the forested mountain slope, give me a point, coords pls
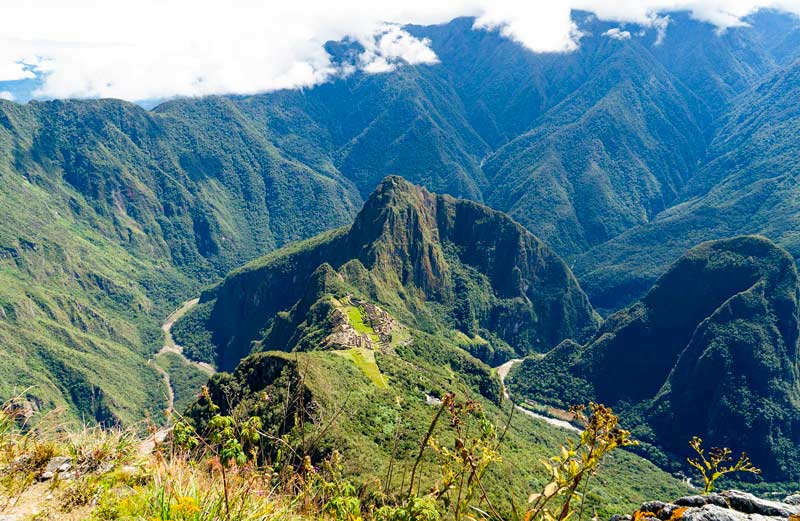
(372, 325)
(711, 351)
(747, 185)
(111, 214)
(620, 156)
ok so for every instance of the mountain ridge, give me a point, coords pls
(116, 214)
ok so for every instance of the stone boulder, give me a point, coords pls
(731, 505)
(794, 499)
(60, 466)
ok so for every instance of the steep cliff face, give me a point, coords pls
(250, 297)
(434, 262)
(649, 336)
(711, 350)
(738, 380)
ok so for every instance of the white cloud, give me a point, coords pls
(6, 95)
(12, 68)
(148, 49)
(660, 24)
(540, 26)
(390, 46)
(617, 34)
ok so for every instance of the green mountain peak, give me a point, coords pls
(711, 350)
(434, 262)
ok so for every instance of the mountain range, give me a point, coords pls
(433, 262)
(711, 350)
(608, 164)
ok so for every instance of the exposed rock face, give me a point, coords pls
(731, 505)
(21, 410)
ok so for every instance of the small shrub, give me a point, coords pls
(79, 493)
(464, 464)
(717, 464)
(577, 462)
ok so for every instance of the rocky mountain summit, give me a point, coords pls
(731, 505)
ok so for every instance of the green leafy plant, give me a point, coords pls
(464, 463)
(342, 502)
(577, 463)
(230, 440)
(418, 508)
(717, 464)
(233, 442)
(184, 436)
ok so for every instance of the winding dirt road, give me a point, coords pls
(169, 343)
(165, 375)
(171, 347)
(502, 372)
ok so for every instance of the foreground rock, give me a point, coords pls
(58, 466)
(731, 505)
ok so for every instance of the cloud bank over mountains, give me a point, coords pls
(151, 49)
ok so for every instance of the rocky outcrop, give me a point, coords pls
(731, 505)
(60, 466)
(344, 335)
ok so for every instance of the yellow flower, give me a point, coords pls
(186, 505)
